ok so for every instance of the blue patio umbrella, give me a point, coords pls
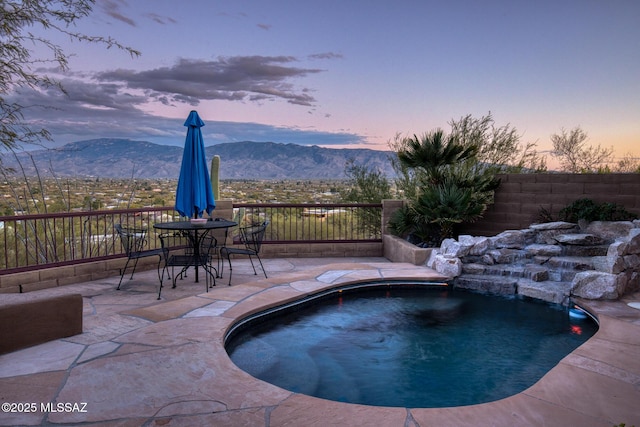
(194, 194)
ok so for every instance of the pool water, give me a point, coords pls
(409, 347)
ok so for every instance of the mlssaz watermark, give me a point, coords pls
(48, 407)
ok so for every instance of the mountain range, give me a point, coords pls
(123, 158)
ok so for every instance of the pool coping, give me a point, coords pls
(174, 368)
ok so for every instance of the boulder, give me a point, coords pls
(480, 246)
(581, 239)
(617, 248)
(473, 268)
(548, 237)
(609, 230)
(543, 250)
(608, 264)
(505, 256)
(431, 259)
(632, 262)
(511, 239)
(536, 273)
(448, 266)
(487, 284)
(466, 240)
(633, 281)
(557, 225)
(597, 285)
(453, 248)
(554, 292)
(633, 239)
(488, 259)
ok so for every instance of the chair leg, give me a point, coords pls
(209, 275)
(135, 264)
(221, 267)
(218, 270)
(124, 271)
(262, 266)
(230, 267)
(160, 262)
(160, 289)
(255, 273)
(173, 272)
(161, 277)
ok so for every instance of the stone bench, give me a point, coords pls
(29, 319)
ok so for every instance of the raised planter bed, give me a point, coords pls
(396, 249)
(27, 319)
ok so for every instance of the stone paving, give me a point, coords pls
(162, 363)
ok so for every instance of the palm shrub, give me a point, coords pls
(444, 184)
(448, 204)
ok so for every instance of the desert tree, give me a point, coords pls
(27, 28)
(24, 52)
(629, 163)
(366, 185)
(575, 155)
(499, 147)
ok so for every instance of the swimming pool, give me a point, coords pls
(406, 345)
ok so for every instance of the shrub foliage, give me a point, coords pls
(587, 209)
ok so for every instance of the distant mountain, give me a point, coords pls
(123, 158)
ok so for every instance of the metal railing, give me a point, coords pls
(314, 223)
(31, 242)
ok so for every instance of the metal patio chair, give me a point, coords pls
(251, 238)
(179, 252)
(133, 241)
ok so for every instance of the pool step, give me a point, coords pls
(541, 275)
(533, 272)
(584, 251)
(548, 290)
(484, 283)
(551, 291)
(570, 262)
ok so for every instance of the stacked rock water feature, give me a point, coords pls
(550, 261)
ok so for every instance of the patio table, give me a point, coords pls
(195, 232)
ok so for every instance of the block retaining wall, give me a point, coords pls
(520, 198)
(98, 270)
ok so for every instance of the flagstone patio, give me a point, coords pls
(141, 361)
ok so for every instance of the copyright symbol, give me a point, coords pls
(6, 407)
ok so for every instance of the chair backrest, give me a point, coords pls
(174, 241)
(253, 235)
(220, 234)
(208, 245)
(132, 239)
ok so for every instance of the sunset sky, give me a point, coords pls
(350, 73)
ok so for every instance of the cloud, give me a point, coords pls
(91, 111)
(237, 78)
(116, 104)
(217, 132)
(159, 19)
(326, 55)
(112, 9)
